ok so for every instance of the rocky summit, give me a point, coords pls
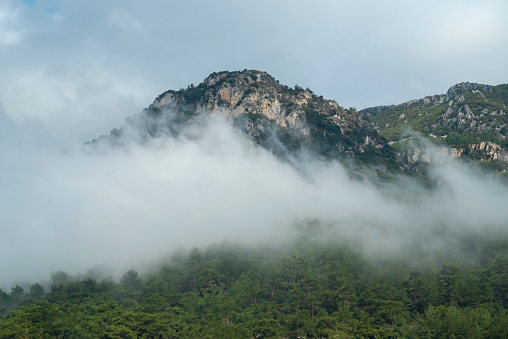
(265, 110)
(470, 121)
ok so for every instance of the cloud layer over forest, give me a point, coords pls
(77, 208)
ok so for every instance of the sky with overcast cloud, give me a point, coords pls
(73, 70)
(81, 67)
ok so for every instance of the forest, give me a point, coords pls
(308, 289)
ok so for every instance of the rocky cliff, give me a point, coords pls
(484, 151)
(469, 121)
(263, 109)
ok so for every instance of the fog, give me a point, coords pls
(78, 207)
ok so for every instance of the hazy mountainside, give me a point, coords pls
(469, 121)
(277, 117)
(283, 256)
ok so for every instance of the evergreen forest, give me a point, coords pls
(308, 289)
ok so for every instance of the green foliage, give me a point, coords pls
(36, 290)
(311, 289)
(427, 118)
(193, 93)
(460, 140)
(473, 118)
(273, 137)
(395, 123)
(325, 133)
(296, 90)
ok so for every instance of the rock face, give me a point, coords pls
(255, 92)
(487, 151)
(456, 91)
(470, 121)
(261, 107)
(234, 93)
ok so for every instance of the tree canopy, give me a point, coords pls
(309, 289)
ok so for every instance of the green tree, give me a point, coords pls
(36, 290)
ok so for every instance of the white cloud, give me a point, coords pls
(10, 32)
(78, 69)
(75, 104)
(359, 53)
(123, 207)
(121, 18)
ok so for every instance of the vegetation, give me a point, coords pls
(395, 123)
(193, 93)
(429, 116)
(472, 117)
(310, 289)
(458, 140)
(325, 131)
(273, 137)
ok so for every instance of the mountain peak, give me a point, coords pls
(254, 75)
(456, 91)
(253, 92)
(469, 121)
(266, 111)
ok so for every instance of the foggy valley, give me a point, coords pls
(253, 169)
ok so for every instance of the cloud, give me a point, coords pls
(361, 54)
(10, 32)
(75, 105)
(121, 18)
(129, 206)
(71, 71)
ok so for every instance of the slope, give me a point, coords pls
(469, 121)
(282, 119)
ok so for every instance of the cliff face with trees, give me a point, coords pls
(283, 119)
(469, 121)
(317, 286)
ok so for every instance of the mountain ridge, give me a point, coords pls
(468, 121)
(454, 92)
(262, 108)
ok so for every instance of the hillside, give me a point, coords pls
(166, 233)
(282, 119)
(470, 121)
(309, 290)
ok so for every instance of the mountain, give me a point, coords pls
(282, 119)
(470, 121)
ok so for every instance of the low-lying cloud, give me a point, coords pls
(122, 207)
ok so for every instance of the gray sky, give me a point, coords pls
(73, 70)
(81, 67)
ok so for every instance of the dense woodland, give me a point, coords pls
(310, 289)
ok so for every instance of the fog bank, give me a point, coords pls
(123, 207)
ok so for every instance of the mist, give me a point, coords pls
(80, 207)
